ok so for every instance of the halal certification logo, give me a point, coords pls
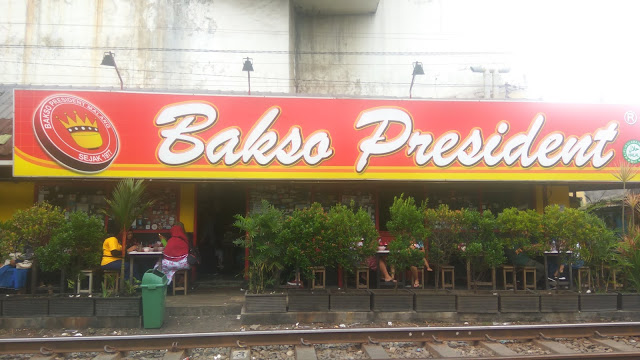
(75, 133)
(631, 151)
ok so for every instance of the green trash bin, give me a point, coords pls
(154, 292)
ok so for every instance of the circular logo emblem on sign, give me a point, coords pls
(631, 151)
(75, 133)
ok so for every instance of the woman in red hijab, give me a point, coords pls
(175, 253)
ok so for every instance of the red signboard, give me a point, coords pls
(150, 135)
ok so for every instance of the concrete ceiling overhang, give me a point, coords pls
(336, 7)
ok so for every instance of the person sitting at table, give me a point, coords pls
(112, 256)
(382, 264)
(414, 270)
(174, 256)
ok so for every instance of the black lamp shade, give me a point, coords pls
(248, 65)
(108, 59)
(417, 68)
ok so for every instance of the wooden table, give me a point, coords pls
(142, 255)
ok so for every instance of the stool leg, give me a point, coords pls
(504, 278)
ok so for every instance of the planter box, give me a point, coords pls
(562, 301)
(519, 302)
(434, 301)
(21, 306)
(350, 300)
(119, 306)
(260, 303)
(599, 302)
(630, 302)
(71, 306)
(308, 300)
(477, 302)
(391, 300)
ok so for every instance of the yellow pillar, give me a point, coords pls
(551, 195)
(15, 196)
(188, 206)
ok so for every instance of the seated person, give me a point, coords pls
(112, 256)
(382, 264)
(414, 270)
(174, 255)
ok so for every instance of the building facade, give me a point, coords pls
(335, 110)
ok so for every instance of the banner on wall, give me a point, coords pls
(148, 135)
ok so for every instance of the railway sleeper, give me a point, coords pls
(554, 347)
(239, 353)
(375, 352)
(497, 348)
(306, 353)
(441, 350)
(615, 345)
(116, 356)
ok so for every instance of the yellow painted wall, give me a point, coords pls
(188, 206)
(15, 196)
(556, 194)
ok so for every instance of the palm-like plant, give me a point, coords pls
(633, 201)
(625, 173)
(126, 203)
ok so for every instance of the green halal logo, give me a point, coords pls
(631, 151)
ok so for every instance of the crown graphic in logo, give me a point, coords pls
(83, 132)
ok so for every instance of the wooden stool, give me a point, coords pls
(89, 275)
(526, 271)
(115, 275)
(611, 271)
(582, 271)
(318, 271)
(447, 269)
(185, 273)
(364, 272)
(509, 269)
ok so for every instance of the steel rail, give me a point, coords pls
(618, 355)
(63, 345)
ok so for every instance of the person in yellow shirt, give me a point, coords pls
(112, 256)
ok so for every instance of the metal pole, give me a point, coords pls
(249, 80)
(118, 72)
(411, 87)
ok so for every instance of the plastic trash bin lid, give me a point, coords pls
(153, 278)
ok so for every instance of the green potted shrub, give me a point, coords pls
(305, 233)
(595, 245)
(356, 239)
(630, 266)
(74, 247)
(521, 234)
(32, 229)
(445, 226)
(262, 228)
(483, 252)
(407, 226)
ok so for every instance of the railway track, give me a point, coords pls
(547, 341)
